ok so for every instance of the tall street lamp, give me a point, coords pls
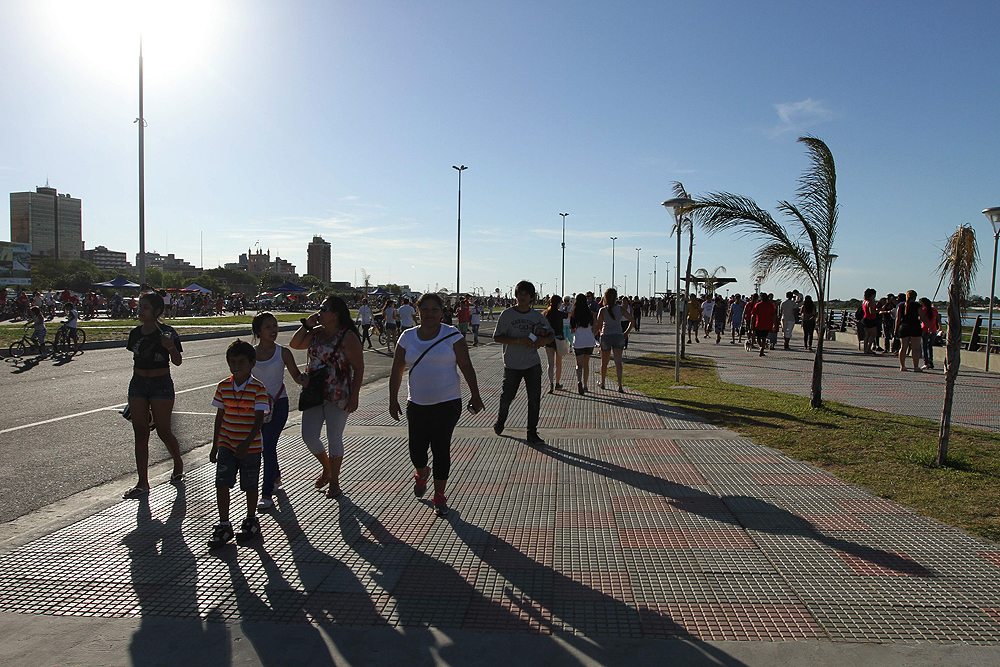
(826, 311)
(654, 276)
(676, 205)
(637, 271)
(613, 239)
(994, 215)
(142, 179)
(458, 257)
(564, 253)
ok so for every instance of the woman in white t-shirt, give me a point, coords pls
(475, 320)
(434, 352)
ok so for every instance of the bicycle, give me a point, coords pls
(27, 342)
(63, 344)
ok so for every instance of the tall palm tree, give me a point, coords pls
(959, 260)
(803, 251)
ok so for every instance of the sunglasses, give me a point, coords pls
(325, 309)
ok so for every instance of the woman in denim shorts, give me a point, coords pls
(610, 321)
(154, 346)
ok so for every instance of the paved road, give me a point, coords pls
(60, 431)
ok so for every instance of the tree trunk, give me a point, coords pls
(953, 358)
(817, 377)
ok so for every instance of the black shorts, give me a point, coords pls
(584, 351)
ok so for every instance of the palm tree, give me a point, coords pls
(802, 252)
(709, 278)
(959, 259)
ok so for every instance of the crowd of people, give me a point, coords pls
(899, 324)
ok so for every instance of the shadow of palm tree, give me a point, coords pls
(754, 513)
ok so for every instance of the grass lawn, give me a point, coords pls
(101, 328)
(891, 455)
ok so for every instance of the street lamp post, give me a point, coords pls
(994, 215)
(676, 204)
(637, 271)
(649, 287)
(826, 311)
(563, 283)
(613, 239)
(458, 257)
(142, 179)
(654, 276)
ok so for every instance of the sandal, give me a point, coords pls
(135, 493)
(333, 492)
(177, 477)
(323, 480)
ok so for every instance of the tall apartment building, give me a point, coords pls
(318, 262)
(49, 221)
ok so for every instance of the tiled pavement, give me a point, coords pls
(637, 522)
(873, 382)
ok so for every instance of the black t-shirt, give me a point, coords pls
(555, 318)
(147, 350)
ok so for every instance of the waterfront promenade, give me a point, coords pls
(640, 533)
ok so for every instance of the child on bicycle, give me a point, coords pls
(72, 321)
(38, 324)
(241, 401)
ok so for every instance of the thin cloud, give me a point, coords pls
(797, 116)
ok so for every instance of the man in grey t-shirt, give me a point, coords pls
(522, 330)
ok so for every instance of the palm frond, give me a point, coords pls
(817, 191)
(959, 261)
(783, 260)
(717, 269)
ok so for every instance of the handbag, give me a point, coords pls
(314, 393)
(562, 347)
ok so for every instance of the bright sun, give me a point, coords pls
(104, 34)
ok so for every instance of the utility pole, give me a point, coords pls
(563, 283)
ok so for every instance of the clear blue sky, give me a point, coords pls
(278, 121)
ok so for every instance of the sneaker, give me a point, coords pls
(440, 504)
(420, 484)
(265, 504)
(579, 388)
(558, 386)
(535, 440)
(221, 535)
(250, 528)
(498, 429)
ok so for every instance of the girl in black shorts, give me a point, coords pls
(154, 346)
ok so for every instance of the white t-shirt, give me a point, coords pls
(406, 314)
(435, 379)
(788, 307)
(365, 313)
(475, 315)
(707, 309)
(390, 315)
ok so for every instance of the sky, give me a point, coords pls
(273, 122)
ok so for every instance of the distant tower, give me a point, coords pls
(318, 262)
(49, 221)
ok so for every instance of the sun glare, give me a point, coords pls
(104, 35)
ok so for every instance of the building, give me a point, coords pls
(259, 262)
(318, 263)
(106, 260)
(49, 221)
(170, 264)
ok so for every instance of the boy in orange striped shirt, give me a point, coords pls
(241, 400)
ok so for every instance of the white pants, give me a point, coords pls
(312, 425)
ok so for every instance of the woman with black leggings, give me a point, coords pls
(434, 352)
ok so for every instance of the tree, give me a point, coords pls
(802, 252)
(959, 259)
(394, 288)
(154, 276)
(709, 278)
(310, 281)
(206, 281)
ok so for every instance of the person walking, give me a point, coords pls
(270, 363)
(154, 346)
(762, 317)
(736, 310)
(693, 318)
(613, 333)
(930, 325)
(583, 324)
(365, 315)
(391, 330)
(808, 322)
(334, 347)
(522, 330)
(475, 321)
(407, 315)
(786, 315)
(434, 353)
(555, 316)
(908, 330)
(870, 321)
(720, 313)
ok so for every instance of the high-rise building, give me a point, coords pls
(49, 221)
(318, 263)
(103, 258)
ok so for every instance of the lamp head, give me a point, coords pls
(678, 203)
(994, 215)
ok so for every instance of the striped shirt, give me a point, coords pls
(239, 405)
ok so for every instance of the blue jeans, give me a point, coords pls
(928, 348)
(269, 433)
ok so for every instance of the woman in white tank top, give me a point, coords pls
(269, 368)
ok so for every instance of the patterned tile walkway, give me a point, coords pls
(639, 521)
